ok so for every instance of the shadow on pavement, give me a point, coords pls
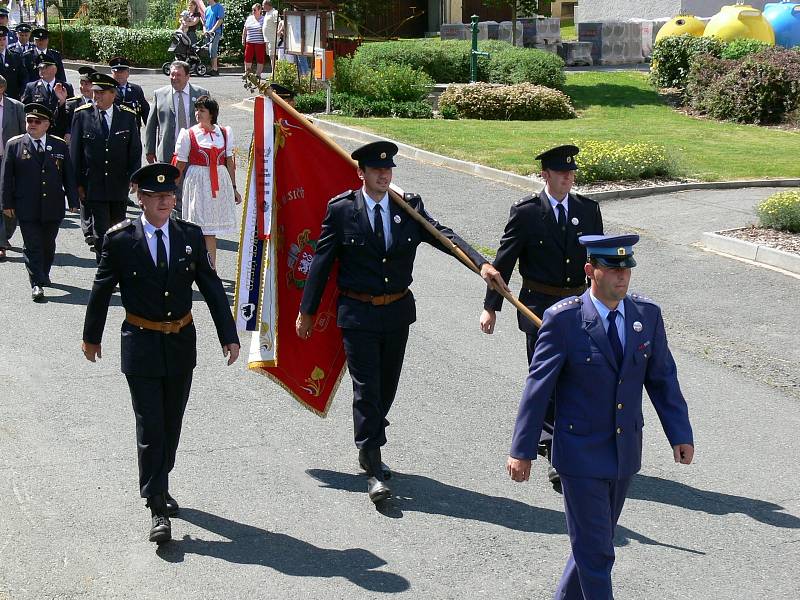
(250, 545)
(655, 489)
(426, 495)
(76, 295)
(70, 260)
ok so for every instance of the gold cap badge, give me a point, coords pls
(383, 155)
(621, 251)
(160, 179)
(569, 159)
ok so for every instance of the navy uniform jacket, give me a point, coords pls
(18, 48)
(64, 112)
(533, 237)
(37, 91)
(365, 266)
(35, 189)
(29, 60)
(104, 167)
(134, 98)
(15, 74)
(126, 260)
(598, 418)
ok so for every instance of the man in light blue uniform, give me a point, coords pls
(597, 352)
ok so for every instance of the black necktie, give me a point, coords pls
(122, 92)
(39, 146)
(562, 220)
(104, 123)
(161, 256)
(613, 337)
(379, 224)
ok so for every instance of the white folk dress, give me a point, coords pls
(208, 198)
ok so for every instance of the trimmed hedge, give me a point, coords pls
(672, 56)
(611, 161)
(145, 47)
(761, 88)
(520, 102)
(781, 211)
(392, 82)
(449, 61)
(356, 106)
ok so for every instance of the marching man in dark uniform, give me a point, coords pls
(64, 112)
(36, 176)
(40, 40)
(376, 243)
(106, 149)
(23, 43)
(597, 352)
(542, 234)
(129, 94)
(155, 260)
(47, 90)
(11, 67)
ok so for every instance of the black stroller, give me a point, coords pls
(192, 53)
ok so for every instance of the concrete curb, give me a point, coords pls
(104, 68)
(753, 252)
(528, 184)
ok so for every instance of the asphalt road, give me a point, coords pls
(273, 502)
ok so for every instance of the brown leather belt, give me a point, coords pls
(551, 290)
(162, 326)
(374, 300)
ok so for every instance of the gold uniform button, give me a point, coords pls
(44, 195)
(588, 359)
(569, 279)
(619, 430)
(386, 279)
(169, 314)
(567, 261)
(166, 293)
(619, 406)
(384, 260)
(570, 426)
(134, 273)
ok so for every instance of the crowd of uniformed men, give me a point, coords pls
(597, 348)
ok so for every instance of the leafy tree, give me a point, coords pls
(519, 8)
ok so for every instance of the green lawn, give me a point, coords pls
(619, 106)
(568, 30)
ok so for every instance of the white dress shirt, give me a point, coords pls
(603, 310)
(152, 240)
(554, 203)
(33, 139)
(109, 116)
(386, 216)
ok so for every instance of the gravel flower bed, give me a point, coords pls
(780, 240)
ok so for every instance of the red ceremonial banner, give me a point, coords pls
(308, 173)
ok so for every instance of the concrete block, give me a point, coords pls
(504, 33)
(455, 31)
(778, 258)
(576, 53)
(488, 30)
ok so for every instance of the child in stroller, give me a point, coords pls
(181, 44)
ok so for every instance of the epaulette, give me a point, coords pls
(584, 198)
(643, 299)
(344, 195)
(188, 223)
(524, 200)
(16, 137)
(119, 226)
(55, 137)
(84, 107)
(127, 108)
(566, 304)
(410, 196)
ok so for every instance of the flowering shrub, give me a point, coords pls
(611, 161)
(672, 56)
(781, 211)
(520, 102)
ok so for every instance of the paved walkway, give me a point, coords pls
(274, 504)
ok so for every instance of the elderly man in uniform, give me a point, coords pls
(106, 149)
(155, 260)
(36, 177)
(41, 39)
(129, 94)
(376, 243)
(542, 234)
(597, 352)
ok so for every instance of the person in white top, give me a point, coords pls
(255, 51)
(204, 154)
(272, 30)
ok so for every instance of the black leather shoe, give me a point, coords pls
(363, 461)
(554, 478)
(37, 293)
(378, 490)
(161, 529)
(172, 505)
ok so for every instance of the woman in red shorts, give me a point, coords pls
(255, 50)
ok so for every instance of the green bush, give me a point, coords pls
(522, 102)
(77, 41)
(611, 161)
(164, 13)
(781, 211)
(520, 65)
(110, 12)
(761, 88)
(311, 103)
(236, 12)
(737, 49)
(392, 82)
(146, 47)
(449, 61)
(286, 74)
(672, 57)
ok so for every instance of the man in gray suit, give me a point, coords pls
(12, 123)
(172, 110)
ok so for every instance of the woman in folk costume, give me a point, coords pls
(204, 154)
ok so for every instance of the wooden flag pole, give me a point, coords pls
(458, 252)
